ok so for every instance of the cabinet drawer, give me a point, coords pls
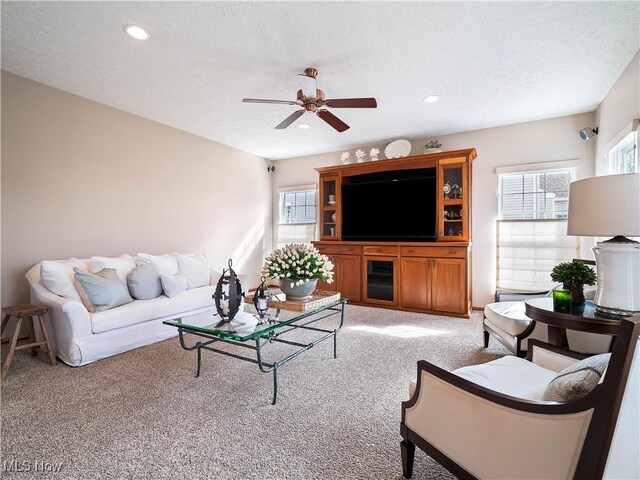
(380, 250)
(454, 252)
(340, 249)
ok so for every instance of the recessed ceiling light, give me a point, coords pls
(303, 125)
(431, 98)
(136, 32)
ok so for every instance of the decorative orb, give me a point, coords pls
(228, 294)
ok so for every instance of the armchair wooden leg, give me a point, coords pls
(408, 451)
(486, 338)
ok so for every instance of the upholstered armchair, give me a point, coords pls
(487, 421)
(506, 321)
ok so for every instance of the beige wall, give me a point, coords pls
(541, 141)
(80, 179)
(619, 107)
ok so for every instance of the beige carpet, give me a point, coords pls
(142, 414)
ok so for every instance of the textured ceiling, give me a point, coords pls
(491, 63)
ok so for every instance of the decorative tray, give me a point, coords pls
(318, 299)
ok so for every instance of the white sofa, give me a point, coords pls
(81, 337)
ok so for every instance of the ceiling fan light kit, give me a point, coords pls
(312, 100)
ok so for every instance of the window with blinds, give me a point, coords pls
(297, 212)
(531, 231)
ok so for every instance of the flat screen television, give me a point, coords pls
(390, 206)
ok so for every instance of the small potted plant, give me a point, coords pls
(574, 276)
(432, 147)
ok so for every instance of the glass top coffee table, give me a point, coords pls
(249, 335)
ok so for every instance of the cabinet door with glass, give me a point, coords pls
(453, 201)
(380, 281)
(329, 207)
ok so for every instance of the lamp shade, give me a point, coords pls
(605, 206)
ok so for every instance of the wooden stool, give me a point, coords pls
(20, 312)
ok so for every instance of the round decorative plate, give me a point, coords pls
(398, 149)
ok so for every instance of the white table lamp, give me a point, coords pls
(609, 206)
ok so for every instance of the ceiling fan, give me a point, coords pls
(312, 100)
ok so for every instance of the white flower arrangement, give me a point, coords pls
(373, 153)
(345, 157)
(298, 263)
(360, 155)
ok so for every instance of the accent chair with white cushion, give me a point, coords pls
(492, 420)
(507, 322)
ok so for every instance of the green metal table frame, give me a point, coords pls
(265, 337)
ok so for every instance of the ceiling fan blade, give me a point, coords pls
(261, 100)
(332, 120)
(351, 103)
(290, 119)
(308, 85)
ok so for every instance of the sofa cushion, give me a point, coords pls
(195, 267)
(174, 284)
(123, 265)
(58, 276)
(167, 263)
(144, 282)
(162, 307)
(508, 316)
(577, 380)
(104, 289)
(510, 375)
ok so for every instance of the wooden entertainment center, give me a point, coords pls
(430, 277)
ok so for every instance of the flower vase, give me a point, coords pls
(298, 293)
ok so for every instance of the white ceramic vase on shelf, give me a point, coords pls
(432, 150)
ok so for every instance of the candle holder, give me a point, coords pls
(562, 300)
(262, 299)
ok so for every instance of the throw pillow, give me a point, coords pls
(577, 380)
(104, 289)
(195, 267)
(167, 263)
(83, 296)
(58, 277)
(174, 284)
(144, 282)
(122, 265)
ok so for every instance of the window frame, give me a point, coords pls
(571, 170)
(295, 190)
(628, 142)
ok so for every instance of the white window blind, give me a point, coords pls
(297, 222)
(295, 233)
(528, 251)
(532, 230)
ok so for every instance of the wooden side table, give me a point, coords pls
(582, 318)
(20, 312)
